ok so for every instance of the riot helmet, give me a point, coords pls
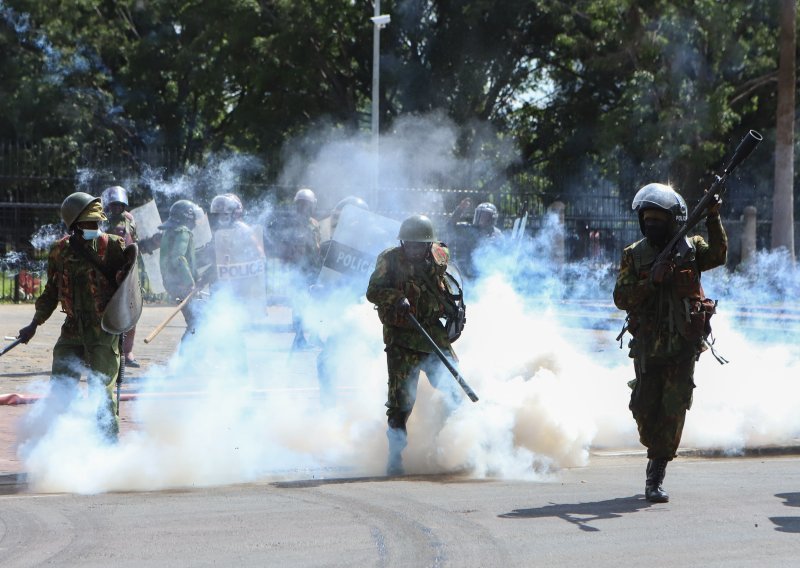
(78, 206)
(663, 197)
(112, 195)
(225, 210)
(305, 201)
(350, 200)
(485, 215)
(182, 212)
(417, 229)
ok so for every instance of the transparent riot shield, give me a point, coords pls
(148, 220)
(241, 266)
(359, 237)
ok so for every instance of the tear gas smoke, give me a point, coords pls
(217, 176)
(538, 349)
(46, 235)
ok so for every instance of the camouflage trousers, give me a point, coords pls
(661, 395)
(404, 366)
(84, 346)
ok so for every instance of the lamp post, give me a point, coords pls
(379, 22)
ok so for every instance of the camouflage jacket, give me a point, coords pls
(667, 321)
(123, 226)
(395, 277)
(82, 289)
(177, 262)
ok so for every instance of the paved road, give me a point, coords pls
(724, 512)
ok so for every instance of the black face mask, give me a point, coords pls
(656, 231)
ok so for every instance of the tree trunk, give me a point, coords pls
(783, 196)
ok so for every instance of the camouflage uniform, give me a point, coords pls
(84, 292)
(178, 270)
(668, 324)
(124, 226)
(407, 352)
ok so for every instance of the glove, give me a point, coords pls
(662, 272)
(713, 209)
(402, 308)
(27, 332)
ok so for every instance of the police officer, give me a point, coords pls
(409, 279)
(347, 290)
(465, 237)
(226, 211)
(83, 270)
(177, 262)
(120, 222)
(668, 317)
(303, 253)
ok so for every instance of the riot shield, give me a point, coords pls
(359, 238)
(241, 265)
(148, 220)
(125, 306)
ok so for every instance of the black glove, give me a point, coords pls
(27, 332)
(402, 308)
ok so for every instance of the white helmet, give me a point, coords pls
(227, 203)
(485, 212)
(114, 194)
(305, 195)
(225, 209)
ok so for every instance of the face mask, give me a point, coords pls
(416, 252)
(656, 231)
(91, 234)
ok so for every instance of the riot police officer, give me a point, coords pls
(83, 270)
(410, 279)
(177, 262)
(668, 317)
(120, 222)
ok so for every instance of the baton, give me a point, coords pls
(450, 367)
(163, 324)
(121, 372)
(11, 346)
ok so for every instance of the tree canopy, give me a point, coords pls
(624, 90)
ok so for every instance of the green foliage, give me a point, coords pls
(628, 90)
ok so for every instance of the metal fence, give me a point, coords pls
(598, 221)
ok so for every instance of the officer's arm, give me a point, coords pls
(179, 262)
(381, 290)
(630, 290)
(115, 255)
(47, 302)
(715, 252)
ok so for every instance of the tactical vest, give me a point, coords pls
(679, 307)
(99, 288)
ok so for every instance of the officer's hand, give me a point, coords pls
(27, 332)
(402, 308)
(662, 272)
(713, 209)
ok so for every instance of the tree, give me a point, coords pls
(783, 197)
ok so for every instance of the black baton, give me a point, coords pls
(459, 379)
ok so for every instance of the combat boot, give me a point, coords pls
(656, 470)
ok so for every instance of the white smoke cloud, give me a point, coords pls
(234, 406)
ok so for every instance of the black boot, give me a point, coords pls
(656, 470)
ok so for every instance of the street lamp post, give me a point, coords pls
(379, 21)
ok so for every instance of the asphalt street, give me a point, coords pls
(723, 512)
